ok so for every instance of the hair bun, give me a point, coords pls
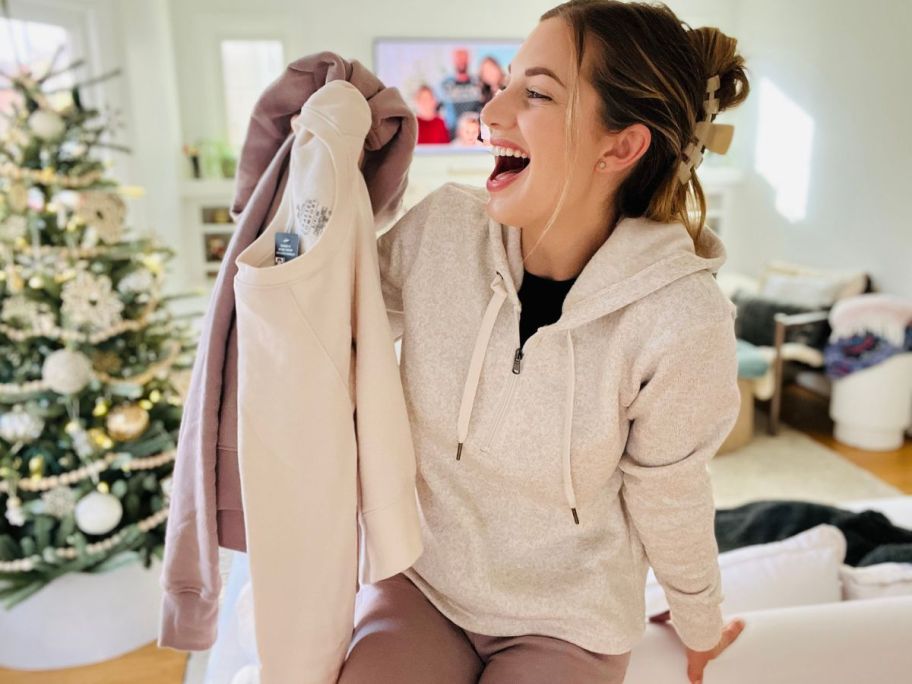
(718, 54)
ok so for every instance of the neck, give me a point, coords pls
(567, 247)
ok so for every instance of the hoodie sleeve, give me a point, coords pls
(190, 578)
(396, 251)
(686, 406)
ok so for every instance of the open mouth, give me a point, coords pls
(505, 166)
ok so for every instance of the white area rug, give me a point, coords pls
(790, 465)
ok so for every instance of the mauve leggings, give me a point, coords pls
(401, 637)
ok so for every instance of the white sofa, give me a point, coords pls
(846, 642)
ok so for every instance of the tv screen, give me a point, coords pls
(446, 82)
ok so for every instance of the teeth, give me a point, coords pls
(498, 151)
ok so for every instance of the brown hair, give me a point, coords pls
(650, 67)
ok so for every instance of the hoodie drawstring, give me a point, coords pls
(568, 424)
(471, 387)
(478, 354)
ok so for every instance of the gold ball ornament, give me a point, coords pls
(36, 466)
(100, 438)
(127, 422)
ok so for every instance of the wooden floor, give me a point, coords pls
(146, 665)
(801, 409)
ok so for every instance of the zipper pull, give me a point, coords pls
(517, 360)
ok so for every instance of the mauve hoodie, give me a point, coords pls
(206, 509)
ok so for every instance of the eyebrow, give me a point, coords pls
(536, 70)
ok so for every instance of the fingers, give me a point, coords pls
(729, 633)
(696, 662)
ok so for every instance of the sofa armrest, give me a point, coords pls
(787, 322)
(793, 320)
(843, 642)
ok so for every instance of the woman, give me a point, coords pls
(491, 76)
(556, 464)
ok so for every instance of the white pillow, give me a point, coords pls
(875, 581)
(851, 283)
(800, 570)
(811, 291)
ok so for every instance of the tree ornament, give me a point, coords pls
(126, 422)
(98, 512)
(14, 513)
(36, 467)
(100, 438)
(80, 439)
(17, 197)
(101, 407)
(88, 300)
(20, 426)
(105, 361)
(28, 313)
(59, 502)
(140, 280)
(103, 211)
(46, 125)
(13, 227)
(67, 371)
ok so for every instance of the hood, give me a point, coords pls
(639, 257)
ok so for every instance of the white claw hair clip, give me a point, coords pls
(716, 137)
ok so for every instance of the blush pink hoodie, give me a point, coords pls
(206, 508)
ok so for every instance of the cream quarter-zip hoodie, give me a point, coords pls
(552, 474)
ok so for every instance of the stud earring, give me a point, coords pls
(601, 164)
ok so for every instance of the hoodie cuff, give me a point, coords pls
(699, 632)
(188, 621)
(390, 539)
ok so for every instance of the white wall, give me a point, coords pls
(847, 64)
(844, 63)
(309, 26)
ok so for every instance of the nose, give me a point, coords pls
(492, 114)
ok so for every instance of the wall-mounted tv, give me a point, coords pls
(446, 82)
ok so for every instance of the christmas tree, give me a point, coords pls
(93, 366)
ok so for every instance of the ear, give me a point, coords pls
(626, 147)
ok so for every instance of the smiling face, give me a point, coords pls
(530, 112)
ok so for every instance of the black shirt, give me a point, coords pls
(541, 300)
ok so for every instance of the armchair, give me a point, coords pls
(784, 314)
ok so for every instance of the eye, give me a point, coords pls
(536, 96)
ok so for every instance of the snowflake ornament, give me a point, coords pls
(27, 313)
(104, 212)
(59, 502)
(88, 300)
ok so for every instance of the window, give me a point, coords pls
(248, 66)
(33, 45)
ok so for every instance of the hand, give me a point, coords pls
(697, 660)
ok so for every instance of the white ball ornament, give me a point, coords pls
(66, 371)
(46, 125)
(98, 513)
(19, 425)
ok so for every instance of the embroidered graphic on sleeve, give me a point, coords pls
(311, 217)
